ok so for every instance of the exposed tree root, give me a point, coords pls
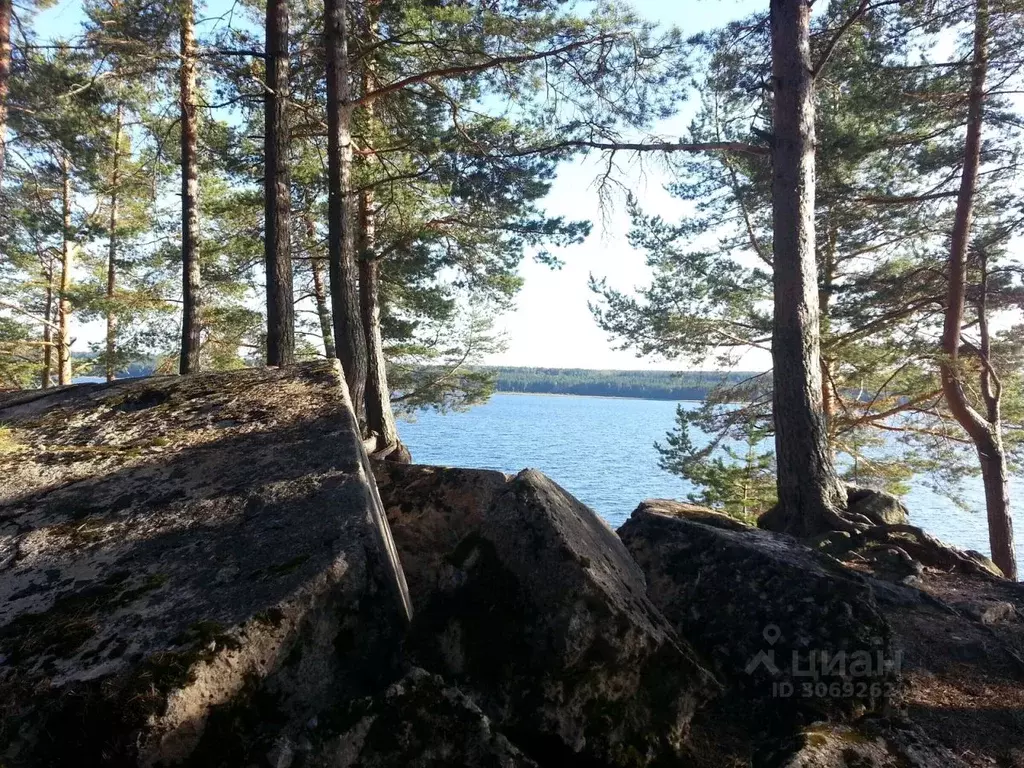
(921, 547)
(396, 452)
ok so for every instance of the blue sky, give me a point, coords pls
(551, 324)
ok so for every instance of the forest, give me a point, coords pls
(231, 185)
(650, 385)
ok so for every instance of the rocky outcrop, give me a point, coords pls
(200, 571)
(418, 722)
(541, 614)
(181, 555)
(871, 743)
(800, 634)
(430, 510)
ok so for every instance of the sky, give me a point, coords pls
(551, 324)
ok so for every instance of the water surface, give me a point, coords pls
(602, 451)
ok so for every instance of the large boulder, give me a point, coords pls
(530, 604)
(192, 568)
(790, 628)
(878, 506)
(430, 510)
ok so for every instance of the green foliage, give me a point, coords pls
(889, 145)
(20, 359)
(442, 374)
(736, 476)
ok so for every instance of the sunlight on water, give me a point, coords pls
(602, 451)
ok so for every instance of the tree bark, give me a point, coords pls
(47, 376)
(323, 312)
(991, 453)
(985, 432)
(826, 288)
(995, 479)
(115, 180)
(811, 497)
(379, 416)
(277, 191)
(191, 283)
(349, 340)
(63, 296)
(6, 7)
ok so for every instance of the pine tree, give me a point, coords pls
(878, 298)
(985, 431)
(277, 189)
(191, 292)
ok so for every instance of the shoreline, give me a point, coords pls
(598, 397)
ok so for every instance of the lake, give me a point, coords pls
(602, 451)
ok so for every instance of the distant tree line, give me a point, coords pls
(648, 385)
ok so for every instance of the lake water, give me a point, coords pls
(602, 451)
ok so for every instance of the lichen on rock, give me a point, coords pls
(541, 614)
(417, 722)
(795, 629)
(178, 546)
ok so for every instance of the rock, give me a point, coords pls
(187, 554)
(671, 508)
(282, 754)
(834, 543)
(990, 612)
(872, 743)
(892, 561)
(430, 510)
(790, 628)
(878, 506)
(540, 614)
(419, 722)
(985, 563)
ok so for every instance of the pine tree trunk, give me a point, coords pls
(811, 497)
(277, 191)
(115, 181)
(191, 284)
(47, 375)
(984, 432)
(991, 453)
(828, 405)
(825, 289)
(63, 297)
(997, 502)
(323, 312)
(349, 340)
(379, 417)
(6, 7)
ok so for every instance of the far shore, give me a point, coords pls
(599, 397)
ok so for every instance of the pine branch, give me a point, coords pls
(830, 47)
(20, 311)
(469, 69)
